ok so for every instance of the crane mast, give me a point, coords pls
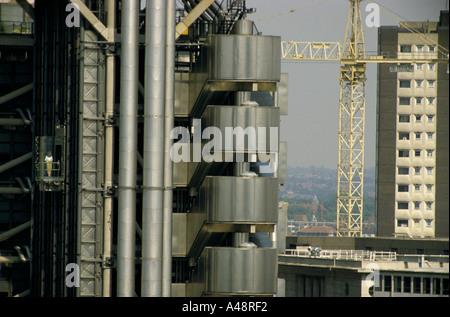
(352, 79)
(351, 128)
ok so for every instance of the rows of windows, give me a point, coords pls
(406, 83)
(406, 101)
(404, 170)
(404, 223)
(417, 135)
(404, 205)
(416, 188)
(405, 48)
(416, 153)
(406, 118)
(413, 284)
(405, 67)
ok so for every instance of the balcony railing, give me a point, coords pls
(343, 254)
(16, 27)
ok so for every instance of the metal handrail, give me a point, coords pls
(344, 254)
(16, 27)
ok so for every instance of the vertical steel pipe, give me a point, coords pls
(153, 156)
(169, 123)
(128, 149)
(109, 155)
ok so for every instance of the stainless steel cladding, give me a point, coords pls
(182, 88)
(238, 199)
(127, 151)
(246, 117)
(282, 94)
(240, 270)
(282, 163)
(243, 27)
(244, 57)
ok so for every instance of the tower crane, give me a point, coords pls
(352, 78)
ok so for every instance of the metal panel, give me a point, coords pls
(181, 102)
(282, 164)
(239, 199)
(183, 172)
(246, 117)
(240, 270)
(283, 94)
(244, 57)
(179, 235)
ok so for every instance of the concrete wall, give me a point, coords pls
(442, 137)
(314, 282)
(386, 135)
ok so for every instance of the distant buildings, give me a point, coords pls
(412, 132)
(317, 231)
(364, 267)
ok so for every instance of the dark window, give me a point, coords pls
(437, 286)
(403, 135)
(445, 286)
(403, 188)
(403, 170)
(426, 285)
(397, 284)
(403, 153)
(404, 101)
(402, 222)
(406, 284)
(387, 283)
(416, 285)
(405, 83)
(405, 48)
(402, 205)
(403, 118)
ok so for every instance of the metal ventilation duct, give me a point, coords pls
(127, 150)
(153, 158)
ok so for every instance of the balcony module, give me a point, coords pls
(228, 63)
(240, 271)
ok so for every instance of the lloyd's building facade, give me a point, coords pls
(123, 99)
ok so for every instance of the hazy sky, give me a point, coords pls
(312, 124)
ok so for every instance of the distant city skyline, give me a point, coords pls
(312, 124)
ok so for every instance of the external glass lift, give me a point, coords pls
(49, 164)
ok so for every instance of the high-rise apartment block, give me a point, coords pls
(412, 131)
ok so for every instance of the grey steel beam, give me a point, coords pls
(16, 93)
(26, 7)
(109, 157)
(9, 259)
(12, 232)
(192, 16)
(12, 121)
(106, 33)
(15, 162)
(12, 190)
